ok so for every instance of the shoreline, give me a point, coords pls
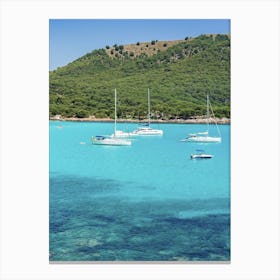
(177, 121)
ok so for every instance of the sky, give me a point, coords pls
(70, 39)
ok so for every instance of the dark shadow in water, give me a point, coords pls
(87, 226)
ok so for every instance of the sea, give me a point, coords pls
(148, 202)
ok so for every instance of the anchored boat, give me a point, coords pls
(145, 129)
(200, 154)
(111, 141)
(204, 136)
(114, 139)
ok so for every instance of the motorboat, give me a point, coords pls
(200, 154)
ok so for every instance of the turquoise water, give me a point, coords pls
(145, 202)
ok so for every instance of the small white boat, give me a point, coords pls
(110, 141)
(145, 129)
(201, 155)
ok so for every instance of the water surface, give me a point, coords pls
(145, 202)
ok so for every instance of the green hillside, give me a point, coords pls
(179, 74)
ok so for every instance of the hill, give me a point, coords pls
(179, 74)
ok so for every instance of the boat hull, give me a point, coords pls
(120, 134)
(204, 139)
(146, 132)
(111, 142)
(202, 156)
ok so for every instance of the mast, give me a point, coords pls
(207, 112)
(115, 128)
(149, 107)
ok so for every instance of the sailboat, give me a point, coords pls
(145, 129)
(114, 139)
(204, 136)
(118, 133)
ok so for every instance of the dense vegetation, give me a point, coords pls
(179, 77)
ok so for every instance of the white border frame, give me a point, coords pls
(24, 137)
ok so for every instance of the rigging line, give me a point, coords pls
(214, 119)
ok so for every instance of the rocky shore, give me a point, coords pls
(190, 121)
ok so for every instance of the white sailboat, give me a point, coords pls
(118, 133)
(145, 129)
(114, 139)
(110, 141)
(204, 136)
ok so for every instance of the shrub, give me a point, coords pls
(82, 114)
